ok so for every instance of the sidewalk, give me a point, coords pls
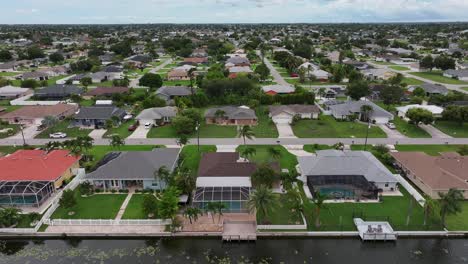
(124, 205)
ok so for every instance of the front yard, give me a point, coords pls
(432, 150)
(399, 68)
(206, 131)
(265, 127)
(134, 208)
(8, 130)
(191, 157)
(410, 130)
(287, 160)
(63, 126)
(411, 81)
(453, 129)
(437, 76)
(121, 130)
(328, 127)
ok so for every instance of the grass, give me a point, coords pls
(432, 150)
(437, 76)
(411, 81)
(98, 206)
(176, 83)
(8, 149)
(453, 129)
(339, 216)
(121, 130)
(465, 88)
(287, 160)
(14, 129)
(9, 74)
(399, 68)
(63, 126)
(134, 208)
(410, 130)
(206, 131)
(328, 127)
(191, 157)
(25, 221)
(265, 127)
(315, 147)
(458, 222)
(383, 63)
(283, 214)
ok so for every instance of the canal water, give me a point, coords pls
(182, 250)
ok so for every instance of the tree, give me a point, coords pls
(218, 208)
(185, 180)
(68, 200)
(52, 145)
(391, 94)
(444, 63)
(34, 52)
(117, 141)
(211, 209)
(450, 203)
(418, 115)
(151, 80)
(430, 207)
(183, 125)
(49, 121)
(356, 90)
(263, 71)
(366, 112)
(274, 153)
(302, 75)
(182, 140)
(86, 81)
(263, 201)
(85, 188)
(419, 92)
(5, 55)
(427, 63)
(192, 213)
(457, 114)
(264, 175)
(150, 205)
(56, 57)
(463, 150)
(248, 152)
(9, 216)
(191, 74)
(29, 83)
(163, 174)
(319, 201)
(169, 203)
(246, 132)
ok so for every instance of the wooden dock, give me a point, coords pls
(375, 231)
(237, 231)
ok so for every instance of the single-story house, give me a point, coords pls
(196, 60)
(8, 66)
(170, 92)
(231, 115)
(284, 114)
(12, 92)
(157, 115)
(34, 114)
(314, 70)
(434, 174)
(30, 177)
(137, 169)
(374, 74)
(343, 110)
(339, 174)
(278, 89)
(105, 91)
(177, 75)
(103, 76)
(434, 109)
(461, 75)
(54, 71)
(96, 116)
(35, 75)
(430, 89)
(238, 61)
(58, 91)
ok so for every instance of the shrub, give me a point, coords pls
(113, 191)
(97, 190)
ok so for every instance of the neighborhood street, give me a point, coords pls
(278, 78)
(135, 82)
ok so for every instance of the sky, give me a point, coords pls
(229, 11)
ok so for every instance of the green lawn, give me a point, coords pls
(265, 127)
(339, 216)
(191, 157)
(25, 221)
(287, 160)
(437, 76)
(459, 222)
(411, 81)
(9, 74)
(176, 83)
(98, 206)
(328, 127)
(410, 130)
(63, 126)
(383, 63)
(433, 150)
(453, 129)
(465, 88)
(282, 214)
(10, 130)
(206, 131)
(399, 68)
(134, 208)
(121, 130)
(8, 149)
(315, 147)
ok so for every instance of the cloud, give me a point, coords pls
(27, 11)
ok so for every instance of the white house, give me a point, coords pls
(434, 109)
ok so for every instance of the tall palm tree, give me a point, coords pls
(248, 152)
(219, 114)
(246, 132)
(163, 174)
(319, 201)
(219, 207)
(274, 152)
(302, 74)
(116, 141)
(309, 69)
(430, 206)
(49, 121)
(211, 208)
(450, 203)
(192, 213)
(263, 201)
(52, 145)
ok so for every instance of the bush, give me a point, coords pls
(97, 190)
(113, 191)
(138, 191)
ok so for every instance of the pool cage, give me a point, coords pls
(235, 198)
(25, 193)
(355, 187)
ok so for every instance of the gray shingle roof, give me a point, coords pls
(157, 113)
(99, 112)
(232, 112)
(137, 165)
(335, 162)
(174, 90)
(434, 88)
(351, 107)
(59, 89)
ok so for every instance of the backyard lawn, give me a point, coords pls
(9, 74)
(282, 214)
(459, 222)
(399, 68)
(437, 76)
(134, 208)
(8, 130)
(191, 157)
(287, 160)
(328, 127)
(63, 126)
(410, 130)
(453, 129)
(433, 150)
(265, 127)
(121, 130)
(411, 81)
(98, 206)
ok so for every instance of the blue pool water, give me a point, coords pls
(336, 192)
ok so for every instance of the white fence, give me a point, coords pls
(107, 222)
(285, 227)
(419, 198)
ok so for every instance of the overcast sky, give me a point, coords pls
(229, 11)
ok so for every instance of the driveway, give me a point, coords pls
(285, 131)
(29, 133)
(434, 132)
(140, 132)
(391, 133)
(97, 133)
(298, 150)
(226, 148)
(278, 78)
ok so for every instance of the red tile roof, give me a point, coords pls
(35, 165)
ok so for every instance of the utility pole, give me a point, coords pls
(367, 133)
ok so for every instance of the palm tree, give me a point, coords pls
(309, 69)
(84, 143)
(450, 203)
(263, 201)
(52, 145)
(219, 114)
(275, 153)
(116, 141)
(9, 216)
(319, 201)
(248, 152)
(218, 209)
(246, 132)
(49, 121)
(301, 73)
(211, 208)
(163, 174)
(366, 111)
(430, 206)
(192, 213)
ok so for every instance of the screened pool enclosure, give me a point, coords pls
(354, 187)
(235, 198)
(25, 193)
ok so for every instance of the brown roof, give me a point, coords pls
(40, 111)
(107, 91)
(177, 73)
(196, 60)
(225, 164)
(449, 170)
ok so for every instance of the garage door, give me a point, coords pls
(282, 120)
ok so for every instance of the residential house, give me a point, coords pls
(105, 92)
(284, 114)
(195, 60)
(344, 110)
(314, 70)
(170, 92)
(134, 169)
(278, 89)
(157, 115)
(8, 66)
(55, 71)
(358, 65)
(178, 75)
(376, 74)
(35, 75)
(434, 109)
(434, 174)
(461, 75)
(430, 89)
(96, 116)
(237, 61)
(235, 71)
(58, 92)
(231, 115)
(35, 114)
(12, 92)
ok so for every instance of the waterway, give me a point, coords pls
(184, 250)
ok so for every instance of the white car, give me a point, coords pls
(58, 135)
(148, 125)
(390, 125)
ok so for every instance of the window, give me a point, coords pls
(386, 185)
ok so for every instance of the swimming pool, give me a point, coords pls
(336, 192)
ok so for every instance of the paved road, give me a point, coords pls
(278, 78)
(135, 82)
(262, 141)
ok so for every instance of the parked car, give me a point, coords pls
(148, 125)
(294, 75)
(390, 125)
(58, 135)
(134, 126)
